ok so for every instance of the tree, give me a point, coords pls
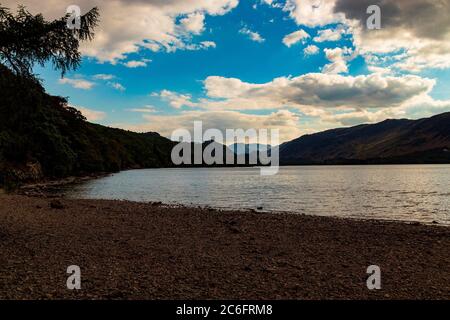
(26, 40)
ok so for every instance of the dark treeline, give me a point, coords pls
(41, 136)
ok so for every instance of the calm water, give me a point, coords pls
(413, 193)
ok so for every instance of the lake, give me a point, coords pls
(398, 192)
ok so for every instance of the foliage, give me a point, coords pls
(27, 39)
(43, 132)
(38, 128)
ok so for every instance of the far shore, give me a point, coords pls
(129, 250)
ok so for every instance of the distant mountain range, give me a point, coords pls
(387, 142)
(42, 137)
(242, 148)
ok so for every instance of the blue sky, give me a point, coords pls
(229, 64)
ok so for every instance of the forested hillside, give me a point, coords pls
(41, 136)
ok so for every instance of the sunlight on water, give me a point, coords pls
(411, 193)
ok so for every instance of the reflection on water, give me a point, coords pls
(413, 193)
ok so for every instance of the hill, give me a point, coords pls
(242, 148)
(388, 142)
(42, 137)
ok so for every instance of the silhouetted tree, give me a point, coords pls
(26, 40)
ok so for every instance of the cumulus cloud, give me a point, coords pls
(338, 58)
(175, 100)
(128, 25)
(419, 27)
(433, 24)
(137, 63)
(91, 115)
(252, 35)
(201, 45)
(419, 107)
(381, 70)
(353, 118)
(317, 90)
(194, 22)
(77, 83)
(294, 37)
(103, 76)
(328, 100)
(284, 120)
(312, 13)
(311, 50)
(144, 109)
(425, 106)
(329, 35)
(117, 86)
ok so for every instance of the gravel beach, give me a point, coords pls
(132, 250)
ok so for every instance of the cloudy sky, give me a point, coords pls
(298, 65)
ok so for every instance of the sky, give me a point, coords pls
(300, 66)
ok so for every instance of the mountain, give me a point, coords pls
(388, 142)
(42, 137)
(242, 148)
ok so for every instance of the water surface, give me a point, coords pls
(409, 192)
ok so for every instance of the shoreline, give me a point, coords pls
(253, 211)
(47, 188)
(52, 189)
(133, 250)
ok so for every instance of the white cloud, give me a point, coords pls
(200, 46)
(155, 47)
(294, 37)
(144, 109)
(103, 76)
(91, 115)
(311, 50)
(338, 58)
(77, 83)
(312, 13)
(425, 106)
(137, 63)
(420, 28)
(358, 117)
(329, 100)
(381, 70)
(284, 120)
(126, 25)
(175, 100)
(329, 35)
(117, 86)
(252, 35)
(316, 90)
(194, 22)
(420, 107)
(269, 2)
(208, 44)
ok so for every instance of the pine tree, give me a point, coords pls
(27, 40)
